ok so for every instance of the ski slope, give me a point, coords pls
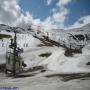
(57, 61)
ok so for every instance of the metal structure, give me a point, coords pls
(14, 63)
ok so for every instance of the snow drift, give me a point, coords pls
(60, 63)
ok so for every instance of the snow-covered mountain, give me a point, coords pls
(7, 28)
(85, 28)
(76, 36)
(3, 27)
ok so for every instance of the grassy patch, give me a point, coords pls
(5, 36)
(47, 54)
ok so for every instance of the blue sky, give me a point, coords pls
(40, 9)
(78, 9)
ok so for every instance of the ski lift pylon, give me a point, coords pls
(13, 57)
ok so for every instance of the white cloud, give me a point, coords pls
(9, 11)
(48, 23)
(27, 20)
(85, 19)
(59, 15)
(49, 2)
(80, 22)
(10, 14)
(63, 2)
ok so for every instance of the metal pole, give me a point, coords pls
(70, 42)
(14, 62)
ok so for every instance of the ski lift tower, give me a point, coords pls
(14, 61)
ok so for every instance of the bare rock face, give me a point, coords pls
(88, 63)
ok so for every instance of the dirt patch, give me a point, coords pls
(33, 69)
(68, 77)
(88, 63)
(24, 75)
(47, 54)
(31, 72)
(27, 73)
(69, 52)
(2, 67)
